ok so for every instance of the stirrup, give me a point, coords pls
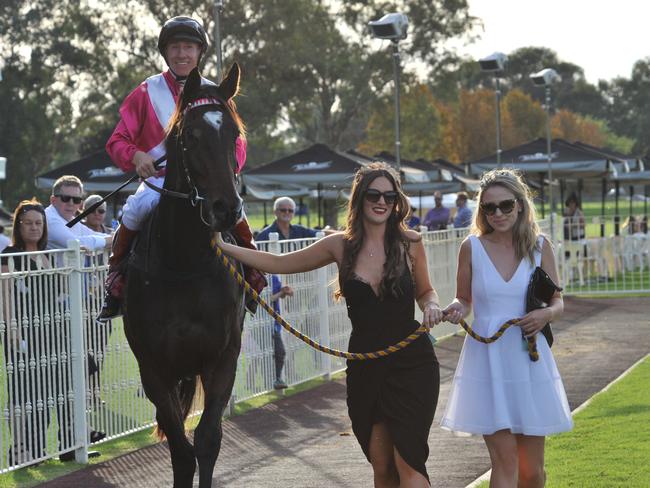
(112, 309)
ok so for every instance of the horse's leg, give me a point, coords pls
(217, 385)
(169, 417)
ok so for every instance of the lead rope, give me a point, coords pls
(360, 356)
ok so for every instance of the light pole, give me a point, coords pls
(3, 172)
(218, 8)
(496, 63)
(393, 27)
(546, 78)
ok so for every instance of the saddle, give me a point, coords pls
(146, 255)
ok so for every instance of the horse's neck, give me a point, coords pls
(185, 239)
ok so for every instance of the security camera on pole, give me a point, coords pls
(546, 78)
(393, 27)
(496, 63)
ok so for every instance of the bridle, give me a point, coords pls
(193, 195)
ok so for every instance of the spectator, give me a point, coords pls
(463, 216)
(284, 208)
(413, 221)
(95, 220)
(25, 299)
(574, 220)
(279, 351)
(438, 217)
(65, 202)
(4, 240)
(29, 234)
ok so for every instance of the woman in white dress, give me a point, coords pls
(498, 392)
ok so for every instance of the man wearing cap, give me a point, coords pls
(139, 140)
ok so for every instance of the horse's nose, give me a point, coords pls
(225, 215)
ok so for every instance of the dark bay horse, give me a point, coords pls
(183, 313)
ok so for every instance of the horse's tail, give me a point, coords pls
(186, 391)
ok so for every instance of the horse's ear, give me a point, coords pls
(192, 85)
(229, 87)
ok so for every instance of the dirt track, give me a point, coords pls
(306, 440)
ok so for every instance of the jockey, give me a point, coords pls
(139, 139)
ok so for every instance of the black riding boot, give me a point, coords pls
(115, 280)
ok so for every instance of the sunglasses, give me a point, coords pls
(506, 206)
(67, 198)
(100, 210)
(373, 196)
(285, 210)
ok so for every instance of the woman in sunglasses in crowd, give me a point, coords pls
(498, 392)
(382, 269)
(21, 301)
(95, 220)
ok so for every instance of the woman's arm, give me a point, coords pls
(426, 296)
(461, 306)
(321, 253)
(535, 320)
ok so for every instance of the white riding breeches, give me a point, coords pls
(139, 205)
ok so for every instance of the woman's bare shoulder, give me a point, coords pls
(412, 235)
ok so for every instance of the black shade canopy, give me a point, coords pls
(97, 172)
(567, 159)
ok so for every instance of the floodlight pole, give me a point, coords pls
(218, 8)
(498, 102)
(396, 65)
(547, 90)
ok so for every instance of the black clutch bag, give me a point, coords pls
(540, 290)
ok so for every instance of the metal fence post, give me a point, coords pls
(324, 317)
(77, 353)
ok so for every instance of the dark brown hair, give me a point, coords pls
(394, 238)
(22, 208)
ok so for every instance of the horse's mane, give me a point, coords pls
(176, 120)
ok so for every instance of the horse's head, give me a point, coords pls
(201, 148)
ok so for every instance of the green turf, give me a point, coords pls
(608, 448)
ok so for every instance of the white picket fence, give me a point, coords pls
(65, 375)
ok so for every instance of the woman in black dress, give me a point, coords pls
(382, 269)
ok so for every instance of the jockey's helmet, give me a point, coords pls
(182, 28)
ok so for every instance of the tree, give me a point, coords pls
(421, 129)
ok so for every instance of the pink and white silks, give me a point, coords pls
(144, 115)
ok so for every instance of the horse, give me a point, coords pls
(183, 313)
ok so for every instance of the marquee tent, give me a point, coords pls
(97, 172)
(567, 160)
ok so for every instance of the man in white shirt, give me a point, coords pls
(65, 202)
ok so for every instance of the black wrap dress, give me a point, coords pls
(400, 389)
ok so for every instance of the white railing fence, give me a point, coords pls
(65, 375)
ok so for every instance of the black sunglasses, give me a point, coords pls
(373, 196)
(506, 206)
(67, 198)
(100, 210)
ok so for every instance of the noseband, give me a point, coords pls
(193, 196)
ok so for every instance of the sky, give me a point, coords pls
(604, 37)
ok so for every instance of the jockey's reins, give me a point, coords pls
(533, 354)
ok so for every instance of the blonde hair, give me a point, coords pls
(67, 180)
(525, 231)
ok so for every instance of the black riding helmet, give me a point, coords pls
(182, 28)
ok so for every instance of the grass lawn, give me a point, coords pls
(608, 448)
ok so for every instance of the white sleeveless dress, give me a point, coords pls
(497, 386)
